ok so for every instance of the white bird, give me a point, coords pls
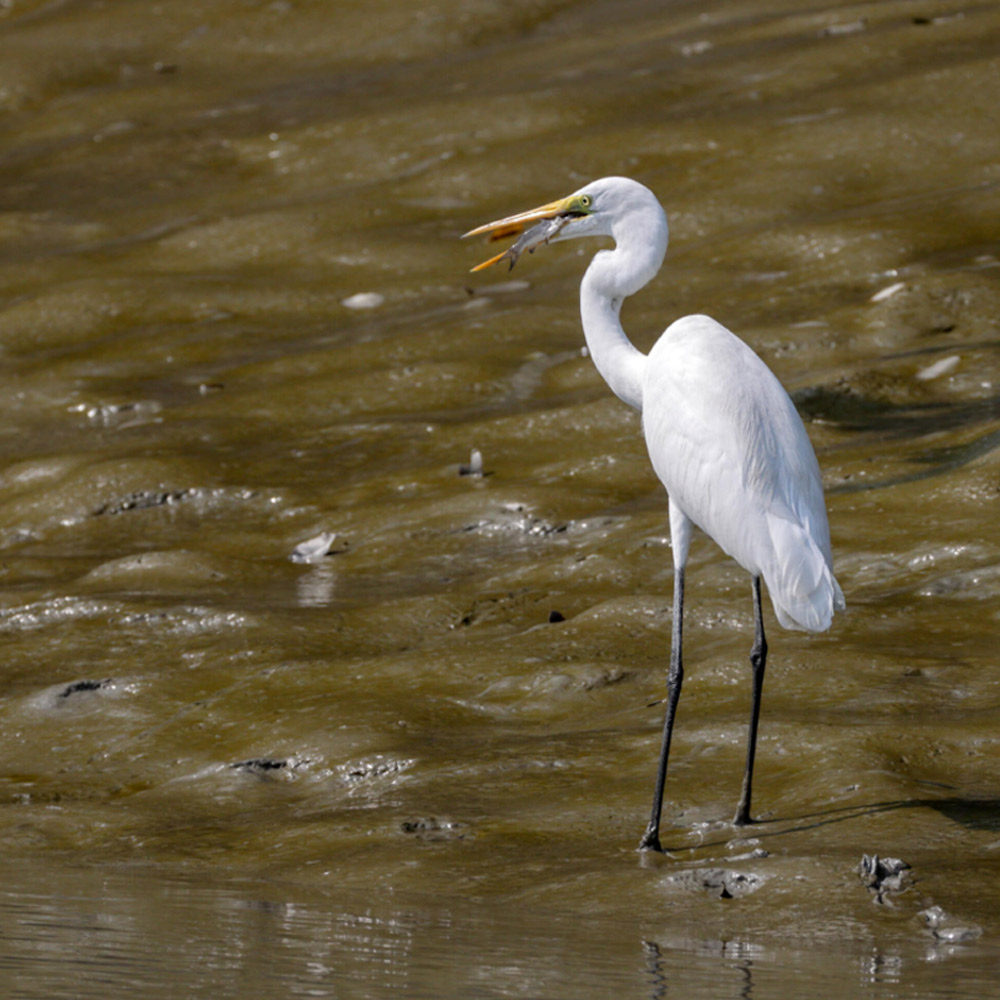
(723, 435)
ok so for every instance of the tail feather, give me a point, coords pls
(801, 583)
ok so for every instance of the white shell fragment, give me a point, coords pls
(475, 466)
(364, 300)
(939, 368)
(888, 291)
(314, 549)
(850, 28)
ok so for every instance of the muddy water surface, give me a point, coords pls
(235, 314)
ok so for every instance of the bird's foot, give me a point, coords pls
(650, 840)
(743, 818)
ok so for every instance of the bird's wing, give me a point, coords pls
(727, 443)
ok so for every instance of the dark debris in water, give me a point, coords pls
(143, 500)
(882, 876)
(79, 686)
(373, 769)
(268, 766)
(260, 765)
(432, 828)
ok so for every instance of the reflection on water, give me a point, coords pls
(316, 587)
(235, 316)
(72, 931)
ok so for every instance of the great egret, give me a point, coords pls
(723, 435)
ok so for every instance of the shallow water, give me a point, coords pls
(165, 935)
(391, 768)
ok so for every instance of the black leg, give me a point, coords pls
(651, 838)
(758, 660)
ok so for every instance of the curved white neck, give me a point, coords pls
(616, 358)
(641, 240)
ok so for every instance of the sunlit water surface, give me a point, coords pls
(235, 315)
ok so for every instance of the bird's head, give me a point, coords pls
(612, 206)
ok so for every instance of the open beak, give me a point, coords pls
(514, 225)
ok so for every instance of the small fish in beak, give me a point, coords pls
(529, 240)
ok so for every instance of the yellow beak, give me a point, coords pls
(514, 225)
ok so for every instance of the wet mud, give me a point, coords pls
(335, 584)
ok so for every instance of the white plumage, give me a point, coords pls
(723, 435)
(728, 444)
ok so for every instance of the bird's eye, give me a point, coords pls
(586, 201)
